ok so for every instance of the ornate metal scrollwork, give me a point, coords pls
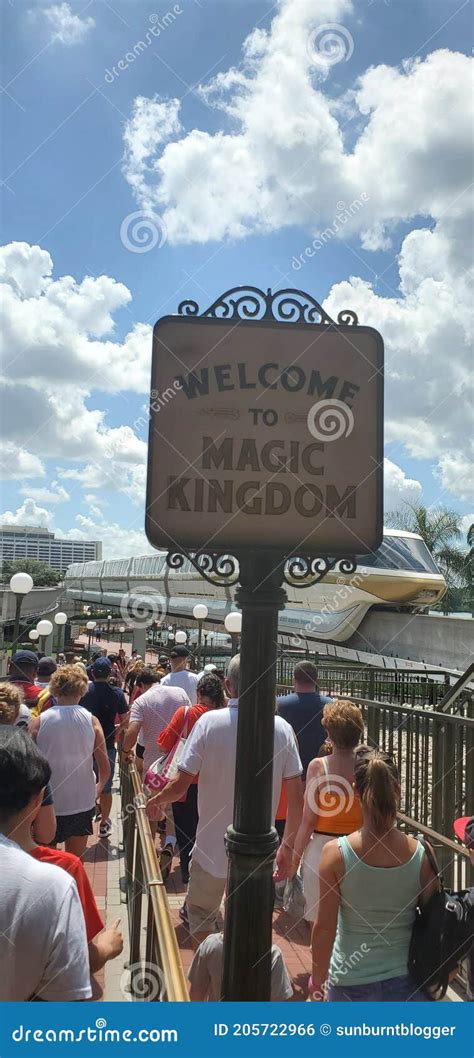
(302, 572)
(220, 570)
(282, 306)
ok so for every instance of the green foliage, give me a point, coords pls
(43, 575)
(441, 531)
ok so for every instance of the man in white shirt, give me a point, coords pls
(210, 752)
(43, 943)
(180, 676)
(151, 712)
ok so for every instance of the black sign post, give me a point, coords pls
(265, 454)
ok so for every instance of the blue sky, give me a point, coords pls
(68, 190)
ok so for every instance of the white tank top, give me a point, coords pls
(66, 737)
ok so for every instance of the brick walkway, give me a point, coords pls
(293, 940)
(104, 864)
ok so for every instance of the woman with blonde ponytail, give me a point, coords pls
(370, 885)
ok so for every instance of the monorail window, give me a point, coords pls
(401, 553)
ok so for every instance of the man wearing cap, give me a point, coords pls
(104, 702)
(95, 654)
(46, 667)
(22, 673)
(180, 676)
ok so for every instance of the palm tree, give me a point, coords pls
(441, 531)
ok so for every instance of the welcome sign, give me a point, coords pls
(265, 435)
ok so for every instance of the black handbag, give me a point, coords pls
(443, 934)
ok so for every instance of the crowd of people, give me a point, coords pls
(359, 877)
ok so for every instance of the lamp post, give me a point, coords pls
(121, 630)
(33, 635)
(90, 628)
(44, 629)
(200, 613)
(180, 638)
(20, 584)
(109, 618)
(233, 625)
(60, 619)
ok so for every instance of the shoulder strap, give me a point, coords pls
(430, 856)
(185, 722)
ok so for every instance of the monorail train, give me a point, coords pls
(400, 575)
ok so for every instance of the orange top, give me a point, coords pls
(335, 803)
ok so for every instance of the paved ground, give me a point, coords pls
(293, 941)
(104, 864)
(103, 861)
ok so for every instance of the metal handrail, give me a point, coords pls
(454, 692)
(410, 710)
(433, 836)
(161, 972)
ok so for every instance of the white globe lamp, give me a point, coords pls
(44, 628)
(20, 585)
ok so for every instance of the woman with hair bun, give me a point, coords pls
(370, 885)
(331, 807)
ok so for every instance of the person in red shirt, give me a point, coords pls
(104, 944)
(210, 695)
(22, 672)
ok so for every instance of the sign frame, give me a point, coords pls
(166, 541)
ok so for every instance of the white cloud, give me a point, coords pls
(280, 157)
(117, 540)
(54, 493)
(153, 122)
(428, 352)
(456, 474)
(398, 488)
(28, 514)
(16, 463)
(62, 329)
(65, 26)
(466, 523)
(57, 351)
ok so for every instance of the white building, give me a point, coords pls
(32, 542)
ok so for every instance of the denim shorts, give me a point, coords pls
(111, 753)
(395, 990)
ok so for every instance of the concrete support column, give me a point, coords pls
(139, 640)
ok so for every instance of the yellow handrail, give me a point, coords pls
(159, 918)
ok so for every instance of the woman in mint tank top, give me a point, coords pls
(370, 884)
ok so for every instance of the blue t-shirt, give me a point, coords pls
(104, 701)
(303, 710)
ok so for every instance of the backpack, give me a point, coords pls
(443, 934)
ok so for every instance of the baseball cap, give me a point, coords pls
(25, 657)
(179, 652)
(464, 830)
(46, 667)
(102, 668)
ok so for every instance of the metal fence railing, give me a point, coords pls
(382, 685)
(434, 751)
(156, 973)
